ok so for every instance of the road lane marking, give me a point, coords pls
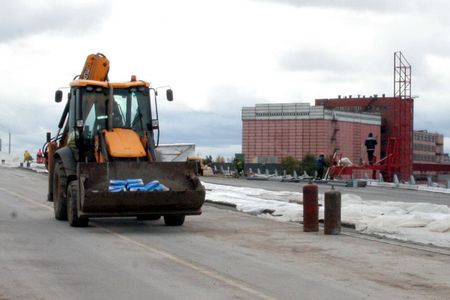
(192, 266)
(29, 200)
(173, 258)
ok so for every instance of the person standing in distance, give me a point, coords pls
(321, 163)
(370, 143)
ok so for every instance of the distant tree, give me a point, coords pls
(238, 164)
(220, 159)
(290, 164)
(309, 164)
(207, 160)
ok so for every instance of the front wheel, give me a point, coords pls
(59, 191)
(174, 220)
(72, 206)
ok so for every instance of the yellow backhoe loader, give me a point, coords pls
(104, 162)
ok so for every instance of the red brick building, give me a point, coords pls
(397, 118)
(273, 131)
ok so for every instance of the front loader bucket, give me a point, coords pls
(186, 194)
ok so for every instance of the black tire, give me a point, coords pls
(174, 220)
(59, 191)
(72, 208)
(148, 218)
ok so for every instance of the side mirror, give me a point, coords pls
(49, 137)
(169, 94)
(58, 96)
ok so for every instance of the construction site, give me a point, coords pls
(242, 150)
(338, 128)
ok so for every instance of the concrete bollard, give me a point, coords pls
(396, 180)
(310, 208)
(332, 220)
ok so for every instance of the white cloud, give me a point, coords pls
(21, 18)
(219, 56)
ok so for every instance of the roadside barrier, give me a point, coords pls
(332, 220)
(310, 208)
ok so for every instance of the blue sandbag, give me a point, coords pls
(155, 185)
(117, 182)
(135, 181)
(161, 188)
(131, 185)
(137, 189)
(152, 185)
(115, 189)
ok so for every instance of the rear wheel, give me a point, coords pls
(59, 191)
(174, 220)
(148, 218)
(72, 206)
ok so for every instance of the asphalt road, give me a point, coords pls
(366, 193)
(221, 254)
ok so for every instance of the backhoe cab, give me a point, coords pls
(104, 159)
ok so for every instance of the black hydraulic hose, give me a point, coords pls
(140, 118)
(157, 118)
(110, 105)
(103, 146)
(64, 115)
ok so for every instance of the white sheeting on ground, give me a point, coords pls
(9, 159)
(414, 222)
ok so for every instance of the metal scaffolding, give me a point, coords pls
(402, 76)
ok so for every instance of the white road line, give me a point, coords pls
(29, 200)
(187, 264)
(210, 273)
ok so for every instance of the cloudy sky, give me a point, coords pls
(219, 56)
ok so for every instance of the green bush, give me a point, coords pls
(290, 164)
(309, 164)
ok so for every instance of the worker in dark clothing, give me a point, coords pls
(370, 143)
(320, 165)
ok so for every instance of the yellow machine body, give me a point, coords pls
(106, 135)
(124, 143)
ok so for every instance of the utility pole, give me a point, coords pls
(9, 138)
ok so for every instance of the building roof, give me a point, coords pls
(304, 111)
